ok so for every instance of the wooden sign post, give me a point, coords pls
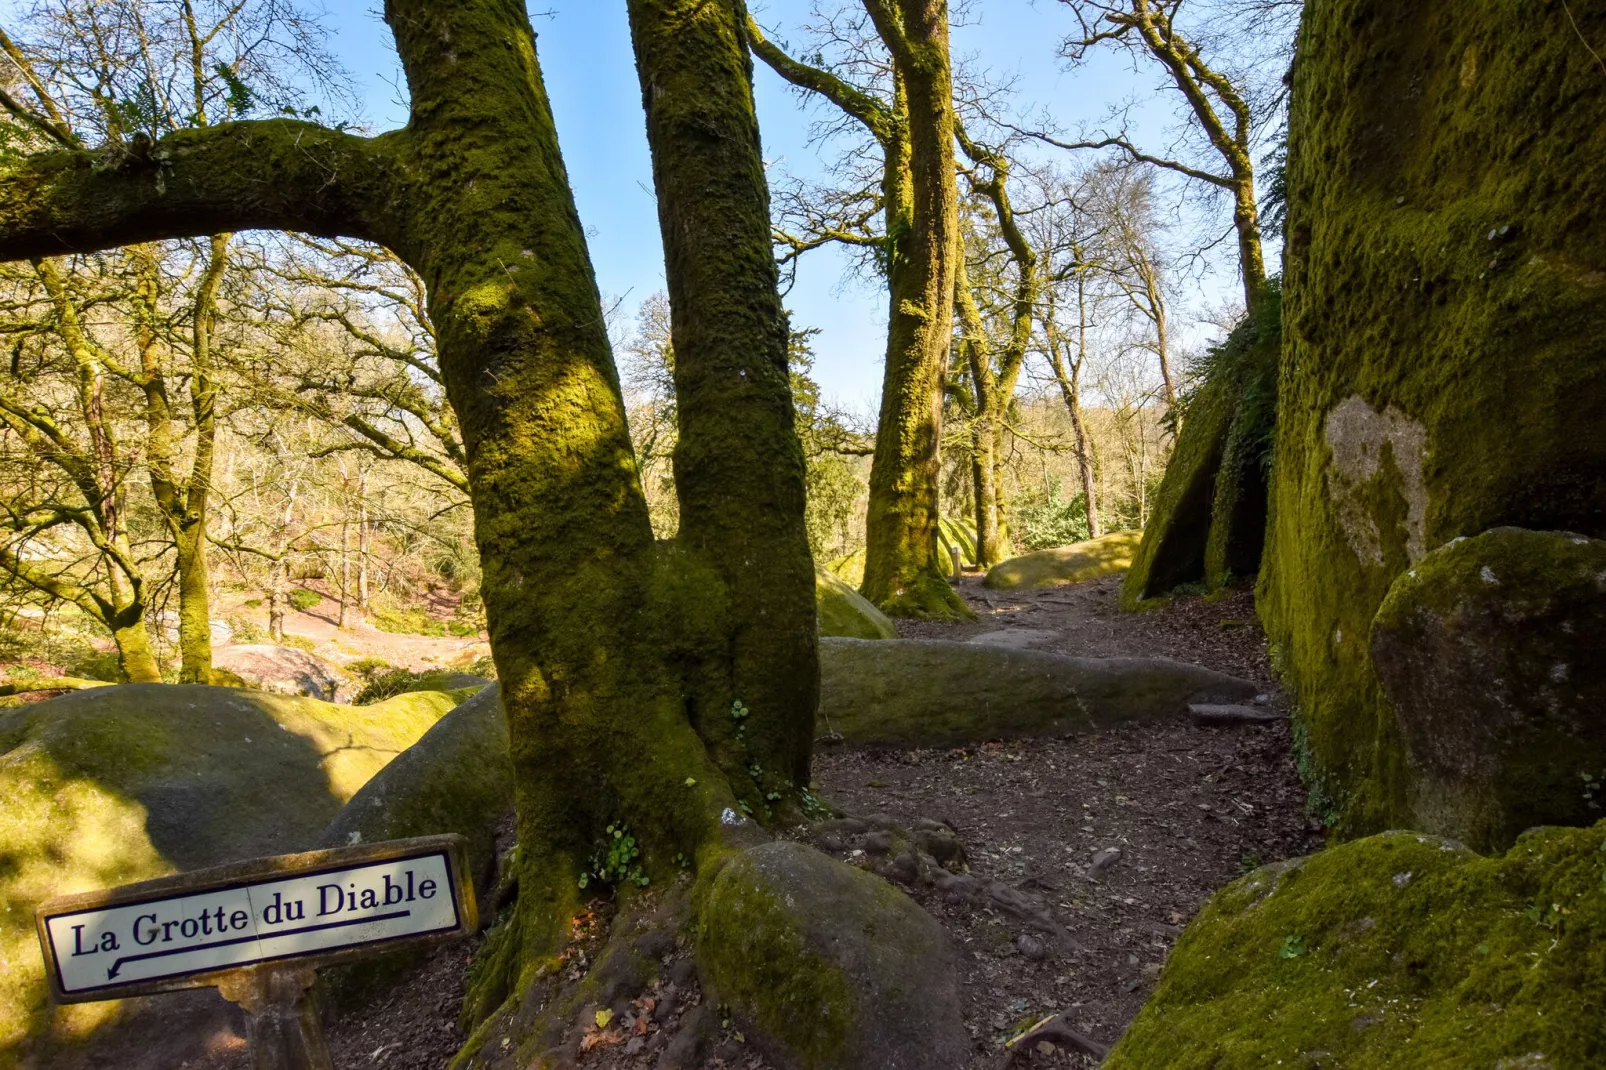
(258, 931)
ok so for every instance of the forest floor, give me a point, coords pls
(1172, 811)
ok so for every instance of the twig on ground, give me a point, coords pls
(1055, 1029)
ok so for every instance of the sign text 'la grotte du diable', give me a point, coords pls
(317, 908)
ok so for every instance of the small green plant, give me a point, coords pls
(407, 622)
(739, 712)
(253, 603)
(1249, 863)
(368, 668)
(303, 599)
(300, 642)
(615, 861)
(242, 630)
(1293, 947)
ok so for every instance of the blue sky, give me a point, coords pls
(585, 53)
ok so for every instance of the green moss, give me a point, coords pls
(126, 783)
(750, 941)
(845, 612)
(1401, 950)
(1487, 652)
(1104, 556)
(1443, 369)
(1208, 520)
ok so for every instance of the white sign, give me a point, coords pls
(141, 942)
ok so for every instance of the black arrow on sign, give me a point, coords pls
(118, 965)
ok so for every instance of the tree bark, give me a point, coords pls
(739, 468)
(901, 572)
(615, 655)
(920, 206)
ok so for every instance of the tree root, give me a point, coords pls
(1206, 715)
(1055, 1029)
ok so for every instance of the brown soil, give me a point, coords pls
(1187, 809)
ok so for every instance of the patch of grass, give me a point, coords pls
(407, 622)
(303, 599)
(300, 642)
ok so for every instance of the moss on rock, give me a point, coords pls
(1208, 520)
(934, 692)
(1444, 363)
(845, 612)
(1077, 563)
(1400, 950)
(829, 966)
(126, 783)
(1488, 653)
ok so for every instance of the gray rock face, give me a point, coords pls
(457, 778)
(832, 968)
(1489, 653)
(1014, 638)
(281, 670)
(932, 692)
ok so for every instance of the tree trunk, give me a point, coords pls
(345, 562)
(364, 544)
(664, 692)
(901, 572)
(134, 657)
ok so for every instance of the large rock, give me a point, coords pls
(457, 778)
(1490, 654)
(1077, 563)
(120, 784)
(281, 670)
(828, 966)
(1207, 524)
(847, 613)
(934, 692)
(1401, 950)
(1444, 361)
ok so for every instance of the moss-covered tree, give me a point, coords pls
(665, 690)
(919, 199)
(996, 332)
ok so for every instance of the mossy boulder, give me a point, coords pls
(1489, 654)
(1444, 363)
(1077, 563)
(281, 670)
(1208, 521)
(829, 967)
(457, 778)
(1399, 950)
(846, 612)
(121, 784)
(937, 693)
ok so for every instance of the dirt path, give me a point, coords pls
(1171, 813)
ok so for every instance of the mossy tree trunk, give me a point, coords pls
(994, 363)
(919, 196)
(622, 663)
(183, 499)
(739, 468)
(901, 568)
(94, 469)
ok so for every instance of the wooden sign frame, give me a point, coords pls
(257, 871)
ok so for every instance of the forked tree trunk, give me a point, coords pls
(668, 690)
